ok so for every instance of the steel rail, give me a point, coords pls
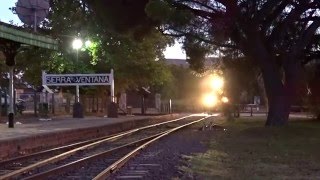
(78, 163)
(53, 150)
(21, 158)
(118, 164)
(72, 152)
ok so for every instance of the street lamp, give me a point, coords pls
(77, 44)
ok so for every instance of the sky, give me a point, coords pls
(6, 15)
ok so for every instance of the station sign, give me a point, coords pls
(76, 79)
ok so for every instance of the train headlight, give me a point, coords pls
(209, 100)
(225, 100)
(216, 83)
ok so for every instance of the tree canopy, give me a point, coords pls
(279, 35)
(134, 61)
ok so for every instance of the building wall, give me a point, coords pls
(134, 100)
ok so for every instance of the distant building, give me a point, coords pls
(210, 62)
(178, 62)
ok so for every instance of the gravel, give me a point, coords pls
(163, 159)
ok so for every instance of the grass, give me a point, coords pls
(248, 150)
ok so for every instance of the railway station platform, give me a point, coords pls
(31, 134)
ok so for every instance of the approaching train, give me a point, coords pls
(213, 97)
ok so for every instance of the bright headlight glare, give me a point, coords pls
(225, 99)
(209, 100)
(216, 83)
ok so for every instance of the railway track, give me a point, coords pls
(89, 159)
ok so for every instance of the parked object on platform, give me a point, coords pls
(20, 106)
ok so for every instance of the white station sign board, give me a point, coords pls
(76, 79)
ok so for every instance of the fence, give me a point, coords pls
(39, 103)
(57, 103)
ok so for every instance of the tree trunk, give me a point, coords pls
(279, 92)
(278, 102)
(281, 97)
(276, 92)
(278, 113)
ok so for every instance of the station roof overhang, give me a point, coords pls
(19, 35)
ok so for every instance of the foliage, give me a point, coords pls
(183, 85)
(241, 75)
(127, 17)
(3, 75)
(278, 35)
(132, 60)
(313, 98)
(185, 90)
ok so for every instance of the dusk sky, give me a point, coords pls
(6, 15)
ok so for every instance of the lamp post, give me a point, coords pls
(77, 108)
(77, 44)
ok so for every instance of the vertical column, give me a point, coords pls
(112, 86)
(170, 106)
(53, 103)
(77, 94)
(112, 107)
(35, 21)
(11, 102)
(35, 103)
(158, 102)
(77, 86)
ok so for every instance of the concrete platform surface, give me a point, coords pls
(31, 134)
(36, 126)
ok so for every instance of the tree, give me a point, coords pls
(241, 75)
(313, 98)
(277, 34)
(132, 60)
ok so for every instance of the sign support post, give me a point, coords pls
(112, 86)
(77, 94)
